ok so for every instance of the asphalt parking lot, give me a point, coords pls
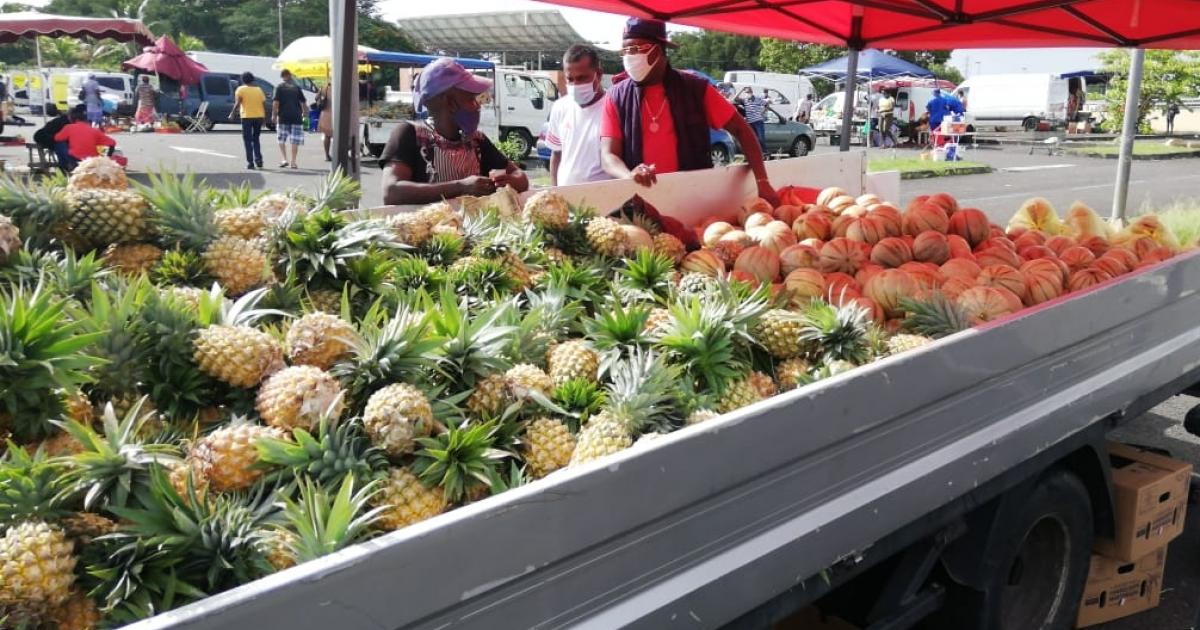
(1063, 179)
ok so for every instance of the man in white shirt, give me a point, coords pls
(804, 110)
(574, 130)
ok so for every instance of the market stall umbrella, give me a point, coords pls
(16, 26)
(167, 59)
(312, 57)
(946, 24)
(871, 64)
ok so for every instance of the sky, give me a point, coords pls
(604, 29)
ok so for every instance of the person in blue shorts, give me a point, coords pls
(288, 109)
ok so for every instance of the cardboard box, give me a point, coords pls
(1150, 492)
(1118, 589)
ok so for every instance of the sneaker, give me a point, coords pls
(283, 165)
(294, 166)
(258, 164)
(328, 159)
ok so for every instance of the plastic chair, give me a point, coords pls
(199, 123)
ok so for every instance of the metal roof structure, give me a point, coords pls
(495, 32)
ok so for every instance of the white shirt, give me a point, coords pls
(804, 110)
(575, 131)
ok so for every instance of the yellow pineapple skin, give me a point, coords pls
(525, 378)
(238, 355)
(903, 343)
(701, 415)
(548, 209)
(238, 264)
(298, 396)
(603, 435)
(738, 394)
(407, 500)
(396, 416)
(764, 384)
(791, 373)
(272, 207)
(670, 246)
(83, 527)
(79, 612)
(187, 295)
(319, 340)
(779, 331)
(573, 359)
(10, 238)
(411, 228)
(548, 446)
(606, 237)
(490, 396)
(277, 547)
(60, 444)
(132, 259)
(247, 223)
(325, 301)
(98, 173)
(227, 457)
(37, 565)
(104, 216)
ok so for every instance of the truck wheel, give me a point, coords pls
(800, 147)
(1036, 563)
(1029, 124)
(720, 155)
(521, 139)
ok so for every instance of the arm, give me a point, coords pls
(748, 141)
(555, 159)
(62, 135)
(513, 176)
(614, 164)
(399, 189)
(106, 140)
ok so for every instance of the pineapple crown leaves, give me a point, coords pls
(181, 267)
(389, 349)
(214, 309)
(114, 314)
(338, 192)
(134, 579)
(462, 460)
(935, 316)
(32, 208)
(337, 449)
(474, 344)
(583, 283)
(410, 273)
(236, 196)
(648, 276)
(615, 331)
(442, 249)
(573, 238)
(115, 461)
(31, 486)
(839, 332)
(41, 350)
(321, 242)
(75, 275)
(702, 339)
(579, 399)
(184, 212)
(642, 390)
(325, 523)
(165, 331)
(542, 318)
(481, 277)
(516, 478)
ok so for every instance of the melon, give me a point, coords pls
(984, 304)
(1141, 246)
(758, 219)
(948, 204)
(928, 276)
(751, 206)
(744, 277)
(959, 247)
(1004, 277)
(996, 241)
(1082, 222)
(891, 252)
(759, 262)
(1036, 251)
(953, 287)
(919, 200)
(775, 236)
(872, 307)
(1058, 243)
(829, 194)
(971, 224)
(842, 255)
(868, 199)
(789, 213)
(814, 225)
(798, 257)
(804, 285)
(1112, 266)
(1028, 238)
(960, 268)
(1042, 287)
(865, 273)
(855, 210)
(703, 261)
(888, 288)
(838, 283)
(714, 231)
(637, 239)
(1096, 244)
(1077, 257)
(925, 218)
(890, 218)
(840, 223)
(1084, 279)
(865, 229)
(839, 204)
(998, 255)
(932, 247)
(815, 243)
(1128, 258)
(1157, 255)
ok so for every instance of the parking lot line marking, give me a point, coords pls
(1018, 169)
(1027, 194)
(205, 152)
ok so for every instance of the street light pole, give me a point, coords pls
(279, 6)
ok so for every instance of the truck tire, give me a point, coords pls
(1030, 124)
(522, 139)
(1036, 562)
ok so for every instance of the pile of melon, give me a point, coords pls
(827, 244)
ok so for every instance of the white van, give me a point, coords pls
(261, 67)
(785, 90)
(117, 84)
(1015, 100)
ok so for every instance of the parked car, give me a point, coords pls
(113, 84)
(215, 88)
(788, 137)
(1001, 101)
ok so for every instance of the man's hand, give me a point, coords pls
(499, 177)
(767, 192)
(477, 185)
(644, 175)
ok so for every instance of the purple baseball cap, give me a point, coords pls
(648, 29)
(442, 74)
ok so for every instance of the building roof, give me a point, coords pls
(500, 31)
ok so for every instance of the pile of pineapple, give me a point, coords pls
(199, 387)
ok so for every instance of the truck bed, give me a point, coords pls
(698, 527)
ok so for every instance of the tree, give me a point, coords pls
(778, 55)
(714, 53)
(1167, 78)
(946, 71)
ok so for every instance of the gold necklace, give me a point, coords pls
(654, 117)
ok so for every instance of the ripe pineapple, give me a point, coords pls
(98, 173)
(791, 374)
(132, 259)
(606, 237)
(187, 295)
(61, 443)
(693, 284)
(935, 316)
(839, 333)
(406, 500)
(187, 472)
(700, 415)
(325, 300)
(489, 397)
(554, 255)
(276, 545)
(227, 457)
(37, 565)
(738, 394)
(319, 340)
(548, 446)
(573, 359)
(411, 228)
(525, 378)
(84, 527)
(10, 239)
(657, 320)
(779, 330)
(298, 396)
(104, 216)
(247, 223)
(238, 355)
(273, 207)
(764, 384)
(902, 342)
(639, 396)
(548, 209)
(78, 408)
(396, 416)
(670, 246)
(78, 613)
(237, 263)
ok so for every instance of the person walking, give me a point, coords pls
(325, 119)
(1172, 112)
(287, 109)
(804, 109)
(574, 130)
(147, 100)
(887, 118)
(250, 104)
(756, 114)
(90, 95)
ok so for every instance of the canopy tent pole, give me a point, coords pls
(343, 20)
(1137, 57)
(42, 76)
(848, 106)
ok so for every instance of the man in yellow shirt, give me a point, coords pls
(250, 105)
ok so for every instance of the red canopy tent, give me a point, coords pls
(924, 24)
(166, 58)
(15, 26)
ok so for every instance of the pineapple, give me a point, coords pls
(462, 460)
(764, 384)
(606, 237)
(581, 399)
(572, 359)
(839, 333)
(189, 296)
(639, 397)
(547, 209)
(237, 263)
(247, 223)
(489, 397)
(100, 173)
(60, 444)
(548, 446)
(78, 407)
(935, 317)
(181, 267)
(526, 379)
(391, 348)
(738, 394)
(79, 612)
(186, 478)
(657, 320)
(338, 192)
(10, 239)
(554, 255)
(670, 246)
(104, 216)
(396, 416)
(322, 521)
(227, 457)
(325, 300)
(902, 342)
(693, 284)
(700, 415)
(233, 352)
(274, 207)
(411, 228)
(326, 456)
(37, 565)
(85, 527)
(779, 330)
(440, 213)
(299, 396)
(132, 258)
(405, 500)
(791, 374)
(319, 340)
(277, 546)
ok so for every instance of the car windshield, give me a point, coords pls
(112, 83)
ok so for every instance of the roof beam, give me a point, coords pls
(1029, 7)
(903, 9)
(912, 31)
(720, 6)
(936, 9)
(1052, 31)
(1094, 23)
(1143, 42)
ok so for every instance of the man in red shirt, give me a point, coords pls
(658, 122)
(82, 139)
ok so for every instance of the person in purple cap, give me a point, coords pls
(445, 155)
(658, 122)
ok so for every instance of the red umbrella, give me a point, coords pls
(14, 26)
(165, 58)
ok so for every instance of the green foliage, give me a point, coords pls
(714, 53)
(1168, 77)
(511, 150)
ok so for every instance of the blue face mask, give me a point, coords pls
(467, 121)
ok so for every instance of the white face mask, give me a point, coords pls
(638, 67)
(583, 94)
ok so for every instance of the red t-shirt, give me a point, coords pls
(658, 147)
(82, 140)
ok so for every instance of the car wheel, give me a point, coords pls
(522, 141)
(720, 155)
(800, 147)
(1029, 124)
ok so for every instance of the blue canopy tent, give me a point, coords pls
(872, 64)
(414, 59)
